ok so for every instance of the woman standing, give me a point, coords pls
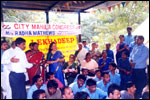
(55, 60)
(37, 58)
(121, 47)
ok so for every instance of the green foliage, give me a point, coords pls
(106, 26)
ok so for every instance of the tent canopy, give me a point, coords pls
(63, 6)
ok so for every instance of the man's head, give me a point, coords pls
(114, 91)
(130, 86)
(106, 77)
(52, 87)
(140, 40)
(50, 76)
(37, 80)
(108, 46)
(93, 45)
(91, 85)
(20, 42)
(81, 80)
(98, 73)
(66, 93)
(81, 95)
(129, 30)
(84, 71)
(84, 43)
(39, 94)
(112, 66)
(4, 45)
(80, 46)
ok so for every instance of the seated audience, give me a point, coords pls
(81, 95)
(129, 93)
(39, 94)
(37, 84)
(98, 75)
(114, 77)
(84, 72)
(113, 92)
(93, 91)
(79, 85)
(104, 61)
(51, 76)
(105, 83)
(66, 93)
(90, 64)
(53, 92)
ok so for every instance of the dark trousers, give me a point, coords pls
(139, 78)
(17, 83)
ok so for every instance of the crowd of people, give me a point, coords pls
(89, 73)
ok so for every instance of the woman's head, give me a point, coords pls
(121, 37)
(88, 56)
(35, 46)
(52, 46)
(72, 58)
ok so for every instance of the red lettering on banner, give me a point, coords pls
(72, 39)
(44, 42)
(33, 26)
(39, 41)
(16, 26)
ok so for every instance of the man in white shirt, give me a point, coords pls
(81, 53)
(16, 76)
(7, 67)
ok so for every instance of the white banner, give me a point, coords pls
(35, 29)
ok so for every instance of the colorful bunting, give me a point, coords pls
(123, 3)
(109, 8)
(113, 7)
(118, 6)
(127, 3)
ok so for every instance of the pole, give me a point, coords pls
(79, 22)
(47, 17)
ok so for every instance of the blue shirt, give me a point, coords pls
(110, 54)
(96, 79)
(98, 94)
(101, 85)
(87, 48)
(131, 46)
(75, 88)
(128, 39)
(34, 88)
(115, 78)
(75, 80)
(101, 62)
(1, 63)
(139, 55)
